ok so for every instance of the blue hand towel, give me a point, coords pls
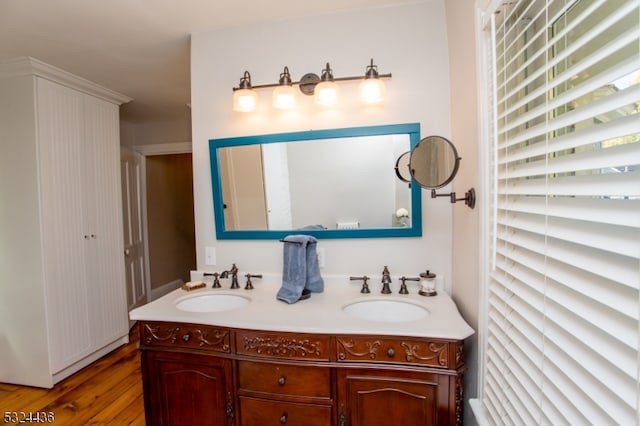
(294, 269)
(314, 283)
(300, 268)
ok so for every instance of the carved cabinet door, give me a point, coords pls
(376, 397)
(187, 389)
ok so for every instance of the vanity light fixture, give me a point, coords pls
(284, 95)
(245, 98)
(324, 89)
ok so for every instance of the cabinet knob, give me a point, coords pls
(283, 418)
(391, 353)
(186, 337)
(282, 381)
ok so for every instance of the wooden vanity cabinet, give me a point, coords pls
(186, 374)
(196, 374)
(399, 380)
(284, 378)
(187, 389)
(273, 393)
(380, 397)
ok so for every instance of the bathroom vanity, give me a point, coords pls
(316, 362)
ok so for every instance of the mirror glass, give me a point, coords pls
(338, 183)
(434, 162)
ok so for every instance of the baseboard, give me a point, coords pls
(63, 374)
(165, 289)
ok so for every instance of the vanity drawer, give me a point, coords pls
(428, 352)
(193, 336)
(284, 379)
(263, 412)
(283, 345)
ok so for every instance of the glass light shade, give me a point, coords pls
(372, 91)
(326, 93)
(284, 97)
(245, 100)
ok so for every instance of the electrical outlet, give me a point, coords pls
(320, 253)
(210, 256)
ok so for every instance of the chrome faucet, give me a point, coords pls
(386, 280)
(234, 276)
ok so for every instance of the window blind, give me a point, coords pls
(562, 326)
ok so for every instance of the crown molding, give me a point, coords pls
(26, 66)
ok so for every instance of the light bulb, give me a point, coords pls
(372, 91)
(245, 100)
(284, 97)
(326, 93)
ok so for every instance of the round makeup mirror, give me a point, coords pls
(434, 162)
(402, 167)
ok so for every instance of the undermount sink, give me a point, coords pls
(211, 302)
(385, 310)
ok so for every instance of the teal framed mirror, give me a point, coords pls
(335, 183)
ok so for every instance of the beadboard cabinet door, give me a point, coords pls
(65, 247)
(82, 237)
(104, 218)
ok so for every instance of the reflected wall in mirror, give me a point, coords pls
(337, 183)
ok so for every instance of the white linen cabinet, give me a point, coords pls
(62, 283)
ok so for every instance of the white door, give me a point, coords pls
(134, 255)
(243, 188)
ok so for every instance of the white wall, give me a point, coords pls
(465, 133)
(156, 132)
(409, 41)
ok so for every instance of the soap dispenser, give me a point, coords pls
(427, 284)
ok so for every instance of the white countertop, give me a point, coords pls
(321, 313)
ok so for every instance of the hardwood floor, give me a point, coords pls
(107, 392)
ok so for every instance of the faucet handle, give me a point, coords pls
(216, 281)
(403, 285)
(249, 285)
(365, 286)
